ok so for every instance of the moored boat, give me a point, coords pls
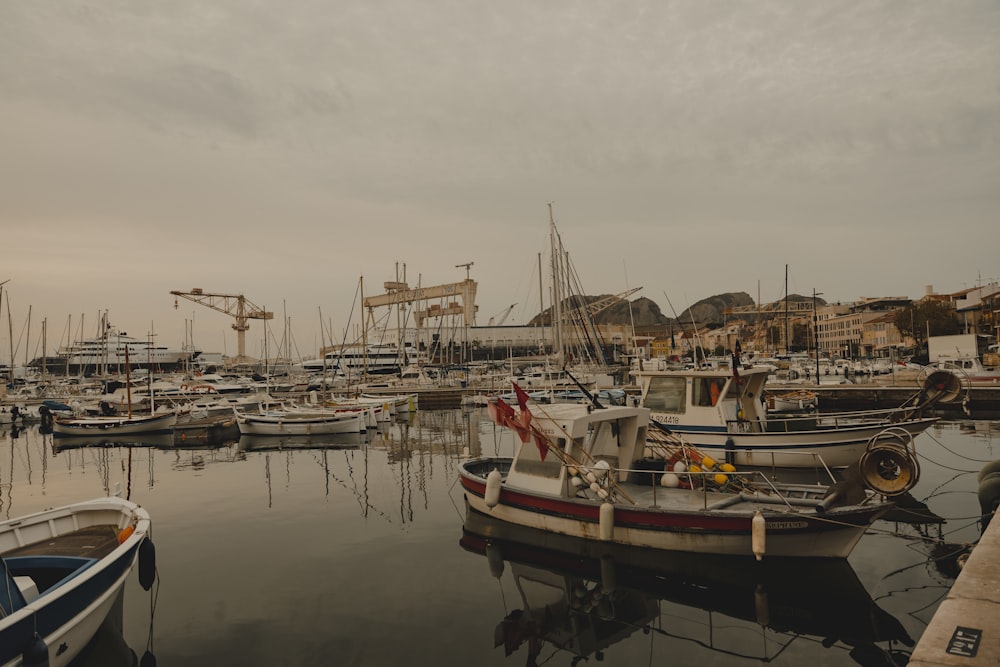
(792, 401)
(301, 422)
(583, 471)
(723, 413)
(114, 425)
(63, 569)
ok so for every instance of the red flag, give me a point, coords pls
(542, 443)
(500, 412)
(522, 398)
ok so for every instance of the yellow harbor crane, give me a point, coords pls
(235, 305)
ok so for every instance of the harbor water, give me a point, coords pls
(353, 553)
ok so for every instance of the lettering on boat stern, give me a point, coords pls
(786, 525)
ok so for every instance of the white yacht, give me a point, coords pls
(107, 354)
(376, 359)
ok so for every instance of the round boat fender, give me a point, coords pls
(36, 654)
(992, 466)
(989, 493)
(492, 496)
(147, 564)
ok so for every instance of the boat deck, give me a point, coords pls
(89, 542)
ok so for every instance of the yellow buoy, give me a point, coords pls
(708, 463)
(727, 467)
(758, 534)
(721, 479)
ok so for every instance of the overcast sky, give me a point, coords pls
(283, 150)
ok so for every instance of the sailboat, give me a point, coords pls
(110, 425)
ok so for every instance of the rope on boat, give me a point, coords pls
(570, 462)
(672, 448)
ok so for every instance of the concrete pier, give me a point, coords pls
(965, 629)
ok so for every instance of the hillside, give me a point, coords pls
(645, 313)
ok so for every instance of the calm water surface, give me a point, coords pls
(355, 554)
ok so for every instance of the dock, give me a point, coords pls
(965, 629)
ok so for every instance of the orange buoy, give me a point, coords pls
(125, 533)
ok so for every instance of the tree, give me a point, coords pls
(924, 318)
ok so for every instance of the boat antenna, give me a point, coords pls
(586, 392)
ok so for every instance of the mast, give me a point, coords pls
(556, 259)
(541, 305)
(364, 332)
(128, 382)
(788, 346)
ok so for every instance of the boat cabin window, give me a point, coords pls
(708, 391)
(666, 394)
(529, 459)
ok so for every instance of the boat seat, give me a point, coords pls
(11, 598)
(47, 572)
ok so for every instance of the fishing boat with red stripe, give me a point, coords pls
(599, 473)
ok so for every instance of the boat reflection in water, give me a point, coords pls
(261, 443)
(583, 597)
(108, 647)
(150, 440)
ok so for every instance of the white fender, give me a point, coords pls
(492, 496)
(607, 521)
(758, 534)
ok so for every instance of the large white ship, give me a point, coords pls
(376, 359)
(107, 354)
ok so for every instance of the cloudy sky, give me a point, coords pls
(285, 150)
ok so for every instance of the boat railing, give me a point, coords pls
(742, 486)
(822, 421)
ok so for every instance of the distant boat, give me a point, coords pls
(969, 369)
(110, 427)
(63, 569)
(107, 354)
(376, 359)
(583, 471)
(792, 401)
(305, 421)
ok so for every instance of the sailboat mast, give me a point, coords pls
(556, 287)
(541, 304)
(788, 342)
(128, 382)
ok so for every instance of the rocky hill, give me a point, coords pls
(645, 313)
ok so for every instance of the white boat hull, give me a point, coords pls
(67, 615)
(836, 447)
(112, 426)
(273, 425)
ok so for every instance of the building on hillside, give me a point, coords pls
(977, 309)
